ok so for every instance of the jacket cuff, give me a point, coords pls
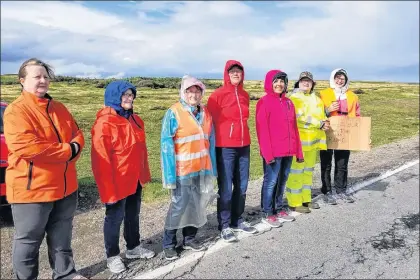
(75, 149)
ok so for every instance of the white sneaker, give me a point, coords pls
(115, 264)
(139, 253)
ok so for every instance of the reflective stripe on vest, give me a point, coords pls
(191, 141)
(328, 97)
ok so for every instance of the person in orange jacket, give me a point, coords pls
(120, 167)
(44, 143)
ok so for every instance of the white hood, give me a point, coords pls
(189, 81)
(340, 93)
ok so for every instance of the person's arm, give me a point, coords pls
(263, 134)
(22, 140)
(358, 108)
(305, 120)
(214, 107)
(212, 140)
(101, 156)
(78, 139)
(167, 148)
(146, 175)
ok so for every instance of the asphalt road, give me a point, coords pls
(375, 237)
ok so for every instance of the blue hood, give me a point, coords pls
(114, 91)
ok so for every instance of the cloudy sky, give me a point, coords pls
(372, 40)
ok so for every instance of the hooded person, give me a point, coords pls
(229, 107)
(279, 142)
(188, 166)
(312, 123)
(120, 168)
(338, 100)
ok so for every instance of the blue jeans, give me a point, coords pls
(127, 209)
(169, 236)
(232, 169)
(275, 178)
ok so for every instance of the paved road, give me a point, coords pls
(376, 237)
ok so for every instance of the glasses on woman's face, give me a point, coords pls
(128, 96)
(340, 79)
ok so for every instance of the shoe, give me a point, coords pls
(170, 254)
(348, 198)
(79, 277)
(311, 205)
(245, 227)
(228, 235)
(194, 245)
(283, 216)
(115, 264)
(139, 253)
(330, 199)
(301, 209)
(272, 221)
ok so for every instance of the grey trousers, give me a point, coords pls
(32, 221)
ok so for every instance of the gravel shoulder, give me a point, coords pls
(88, 245)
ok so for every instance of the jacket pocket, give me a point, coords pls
(231, 131)
(30, 171)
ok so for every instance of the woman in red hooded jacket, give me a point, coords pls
(279, 141)
(229, 108)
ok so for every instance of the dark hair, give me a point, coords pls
(35, 61)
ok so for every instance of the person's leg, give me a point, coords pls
(169, 243)
(59, 235)
(268, 192)
(114, 215)
(132, 227)
(294, 184)
(279, 209)
(30, 221)
(225, 168)
(310, 161)
(190, 243)
(340, 180)
(326, 164)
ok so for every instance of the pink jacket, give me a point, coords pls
(277, 132)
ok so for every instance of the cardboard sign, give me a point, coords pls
(349, 133)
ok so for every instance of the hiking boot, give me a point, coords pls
(170, 253)
(348, 198)
(245, 227)
(330, 199)
(194, 245)
(139, 253)
(283, 216)
(272, 221)
(228, 235)
(301, 209)
(115, 264)
(311, 205)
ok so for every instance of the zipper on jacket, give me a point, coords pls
(288, 123)
(59, 140)
(240, 115)
(231, 130)
(31, 165)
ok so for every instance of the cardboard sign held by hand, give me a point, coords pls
(349, 133)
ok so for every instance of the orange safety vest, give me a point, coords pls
(191, 141)
(328, 97)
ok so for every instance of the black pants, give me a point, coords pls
(127, 209)
(169, 236)
(341, 159)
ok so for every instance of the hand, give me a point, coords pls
(333, 107)
(300, 160)
(326, 125)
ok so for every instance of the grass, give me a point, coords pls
(393, 107)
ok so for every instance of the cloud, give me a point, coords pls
(157, 38)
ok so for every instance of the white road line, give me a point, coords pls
(220, 244)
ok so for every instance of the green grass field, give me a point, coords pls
(393, 107)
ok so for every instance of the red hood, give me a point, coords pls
(268, 83)
(226, 79)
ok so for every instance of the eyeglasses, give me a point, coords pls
(128, 95)
(340, 79)
(233, 71)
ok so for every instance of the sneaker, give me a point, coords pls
(115, 264)
(228, 235)
(283, 216)
(194, 245)
(301, 209)
(271, 221)
(245, 227)
(329, 199)
(79, 277)
(348, 198)
(170, 254)
(139, 253)
(311, 205)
